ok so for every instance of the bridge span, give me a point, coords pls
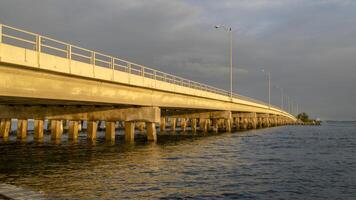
(46, 79)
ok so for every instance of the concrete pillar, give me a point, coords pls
(174, 123)
(65, 124)
(130, 132)
(215, 125)
(80, 125)
(110, 131)
(151, 131)
(203, 123)
(228, 125)
(209, 123)
(140, 126)
(183, 124)
(163, 124)
(237, 123)
(194, 125)
(254, 120)
(56, 129)
(22, 128)
(38, 129)
(73, 130)
(92, 129)
(5, 127)
(244, 123)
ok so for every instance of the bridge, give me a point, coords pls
(50, 81)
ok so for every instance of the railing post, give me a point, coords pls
(69, 52)
(0, 33)
(129, 68)
(0, 41)
(143, 71)
(38, 43)
(113, 68)
(38, 49)
(69, 56)
(93, 62)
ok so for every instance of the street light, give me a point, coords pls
(269, 86)
(229, 30)
(281, 95)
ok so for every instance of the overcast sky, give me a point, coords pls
(308, 46)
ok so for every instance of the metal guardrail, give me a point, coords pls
(25, 39)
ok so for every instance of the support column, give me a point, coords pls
(73, 130)
(203, 123)
(215, 125)
(163, 124)
(194, 125)
(228, 125)
(110, 131)
(183, 124)
(65, 124)
(92, 129)
(38, 134)
(80, 125)
(151, 131)
(254, 120)
(237, 123)
(5, 127)
(130, 132)
(22, 128)
(140, 126)
(259, 122)
(56, 129)
(267, 119)
(174, 123)
(244, 124)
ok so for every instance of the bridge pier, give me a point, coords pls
(193, 125)
(228, 125)
(74, 129)
(129, 131)
(163, 124)
(173, 124)
(140, 126)
(237, 122)
(22, 125)
(215, 125)
(183, 124)
(38, 129)
(56, 129)
(151, 131)
(259, 122)
(110, 131)
(203, 125)
(92, 129)
(5, 127)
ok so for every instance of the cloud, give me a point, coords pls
(308, 46)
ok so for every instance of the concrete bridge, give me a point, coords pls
(46, 79)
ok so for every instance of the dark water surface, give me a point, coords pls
(305, 162)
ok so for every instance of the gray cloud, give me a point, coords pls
(308, 46)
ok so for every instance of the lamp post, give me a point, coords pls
(281, 95)
(229, 30)
(269, 87)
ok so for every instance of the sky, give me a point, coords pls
(308, 46)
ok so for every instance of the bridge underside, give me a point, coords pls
(21, 85)
(41, 95)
